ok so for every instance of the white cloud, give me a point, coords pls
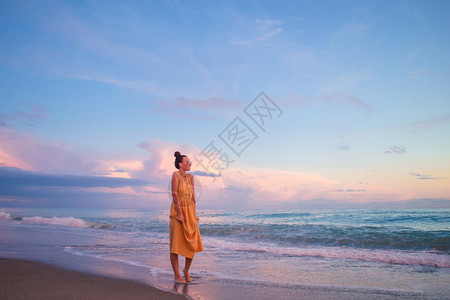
(263, 32)
(348, 99)
(269, 34)
(269, 22)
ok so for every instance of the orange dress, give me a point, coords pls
(185, 237)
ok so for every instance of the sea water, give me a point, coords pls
(403, 250)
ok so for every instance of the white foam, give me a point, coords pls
(156, 271)
(153, 270)
(70, 221)
(5, 215)
(422, 258)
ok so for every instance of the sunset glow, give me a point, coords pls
(95, 99)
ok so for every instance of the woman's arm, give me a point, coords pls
(193, 188)
(176, 201)
(193, 196)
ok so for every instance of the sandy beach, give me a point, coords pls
(21, 279)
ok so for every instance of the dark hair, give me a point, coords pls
(178, 159)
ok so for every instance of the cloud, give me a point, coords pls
(343, 147)
(68, 197)
(88, 36)
(27, 151)
(348, 99)
(145, 183)
(348, 190)
(148, 86)
(428, 125)
(419, 74)
(30, 116)
(142, 184)
(20, 187)
(70, 44)
(159, 166)
(39, 172)
(192, 108)
(42, 181)
(324, 203)
(332, 99)
(263, 32)
(265, 186)
(53, 170)
(269, 34)
(204, 174)
(303, 56)
(150, 179)
(18, 177)
(398, 149)
(424, 177)
(269, 22)
(351, 31)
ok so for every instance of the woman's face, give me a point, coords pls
(186, 164)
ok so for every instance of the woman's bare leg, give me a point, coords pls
(187, 265)
(176, 272)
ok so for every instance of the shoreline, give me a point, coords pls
(47, 246)
(25, 279)
(28, 279)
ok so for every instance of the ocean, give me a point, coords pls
(403, 251)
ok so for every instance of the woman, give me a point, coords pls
(185, 236)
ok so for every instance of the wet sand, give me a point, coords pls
(21, 279)
(231, 289)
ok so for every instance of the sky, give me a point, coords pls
(279, 105)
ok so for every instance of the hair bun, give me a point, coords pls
(177, 154)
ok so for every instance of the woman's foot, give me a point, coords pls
(179, 279)
(187, 277)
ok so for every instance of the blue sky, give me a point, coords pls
(110, 89)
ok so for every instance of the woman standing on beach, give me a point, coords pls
(184, 236)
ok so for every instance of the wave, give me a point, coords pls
(70, 221)
(281, 215)
(5, 215)
(304, 235)
(154, 271)
(421, 258)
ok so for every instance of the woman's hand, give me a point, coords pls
(180, 218)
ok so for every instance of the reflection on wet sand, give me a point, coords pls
(181, 288)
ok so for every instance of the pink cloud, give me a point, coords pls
(250, 187)
(25, 150)
(159, 166)
(259, 188)
(244, 187)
